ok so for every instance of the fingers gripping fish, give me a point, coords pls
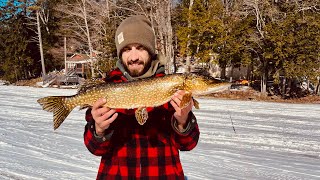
(140, 94)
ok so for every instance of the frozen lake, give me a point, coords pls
(270, 141)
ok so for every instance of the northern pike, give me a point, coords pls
(139, 94)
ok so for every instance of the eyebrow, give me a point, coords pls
(138, 46)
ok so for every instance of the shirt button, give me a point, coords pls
(193, 120)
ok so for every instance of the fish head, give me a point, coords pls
(201, 84)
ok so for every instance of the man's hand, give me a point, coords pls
(181, 114)
(102, 116)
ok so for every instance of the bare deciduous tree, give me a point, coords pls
(83, 17)
(257, 9)
(162, 18)
(42, 13)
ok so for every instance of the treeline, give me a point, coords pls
(275, 39)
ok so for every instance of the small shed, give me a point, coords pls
(79, 64)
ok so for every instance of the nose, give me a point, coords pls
(134, 54)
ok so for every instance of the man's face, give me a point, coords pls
(136, 59)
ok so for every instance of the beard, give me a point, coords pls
(137, 68)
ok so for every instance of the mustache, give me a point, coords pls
(135, 62)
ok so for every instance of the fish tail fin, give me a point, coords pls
(59, 106)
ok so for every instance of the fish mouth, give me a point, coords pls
(219, 88)
(217, 85)
(214, 88)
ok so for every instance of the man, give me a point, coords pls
(130, 150)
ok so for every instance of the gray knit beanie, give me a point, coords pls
(135, 29)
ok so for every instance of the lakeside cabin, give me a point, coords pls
(77, 67)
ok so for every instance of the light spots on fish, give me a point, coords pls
(151, 92)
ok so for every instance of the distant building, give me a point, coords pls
(231, 73)
(79, 64)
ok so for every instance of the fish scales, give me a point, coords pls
(150, 92)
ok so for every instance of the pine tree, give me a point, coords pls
(292, 45)
(17, 61)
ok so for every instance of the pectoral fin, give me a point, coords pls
(185, 100)
(196, 103)
(141, 115)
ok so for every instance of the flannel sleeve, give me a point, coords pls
(187, 139)
(95, 144)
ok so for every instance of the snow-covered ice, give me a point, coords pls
(270, 141)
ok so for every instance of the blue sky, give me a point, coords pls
(3, 2)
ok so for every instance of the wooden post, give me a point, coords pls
(65, 56)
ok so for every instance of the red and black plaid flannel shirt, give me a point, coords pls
(132, 151)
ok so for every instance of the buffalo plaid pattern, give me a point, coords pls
(132, 151)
